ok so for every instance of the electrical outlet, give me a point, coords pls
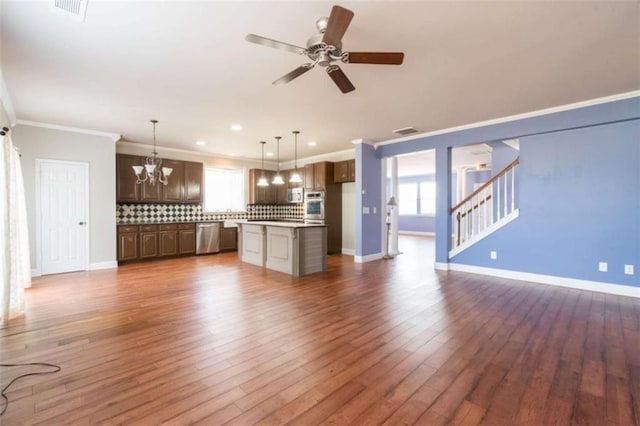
(365, 210)
(493, 255)
(375, 210)
(602, 266)
(628, 269)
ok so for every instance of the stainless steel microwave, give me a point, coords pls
(295, 195)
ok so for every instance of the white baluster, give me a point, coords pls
(513, 188)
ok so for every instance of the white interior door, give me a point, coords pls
(63, 214)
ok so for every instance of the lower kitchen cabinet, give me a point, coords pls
(148, 236)
(228, 239)
(187, 238)
(127, 243)
(168, 240)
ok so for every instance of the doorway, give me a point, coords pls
(62, 212)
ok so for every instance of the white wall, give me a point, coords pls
(99, 152)
(348, 218)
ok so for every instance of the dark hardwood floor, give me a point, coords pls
(211, 340)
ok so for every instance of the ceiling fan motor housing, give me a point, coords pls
(320, 51)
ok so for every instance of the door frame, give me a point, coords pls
(38, 214)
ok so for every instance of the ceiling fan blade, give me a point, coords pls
(339, 20)
(293, 74)
(274, 43)
(381, 58)
(340, 79)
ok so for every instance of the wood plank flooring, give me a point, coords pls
(212, 341)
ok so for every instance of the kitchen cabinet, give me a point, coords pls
(173, 191)
(263, 194)
(317, 176)
(187, 238)
(185, 182)
(127, 243)
(344, 171)
(281, 190)
(126, 188)
(193, 173)
(228, 239)
(148, 237)
(168, 240)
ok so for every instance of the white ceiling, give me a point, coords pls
(187, 65)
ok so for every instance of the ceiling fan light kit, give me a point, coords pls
(325, 48)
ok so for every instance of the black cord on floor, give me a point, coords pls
(39, 373)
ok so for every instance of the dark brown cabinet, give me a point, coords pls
(344, 171)
(168, 240)
(318, 176)
(264, 194)
(148, 236)
(174, 189)
(185, 182)
(187, 238)
(127, 243)
(193, 173)
(151, 241)
(228, 239)
(126, 188)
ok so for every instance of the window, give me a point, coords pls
(428, 198)
(408, 193)
(223, 190)
(417, 198)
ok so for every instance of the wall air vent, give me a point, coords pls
(406, 131)
(74, 9)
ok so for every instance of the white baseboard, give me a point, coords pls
(35, 272)
(367, 258)
(103, 265)
(350, 252)
(418, 233)
(597, 286)
(440, 266)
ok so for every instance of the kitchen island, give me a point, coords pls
(291, 247)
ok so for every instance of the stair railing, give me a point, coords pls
(491, 202)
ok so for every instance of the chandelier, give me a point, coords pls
(153, 171)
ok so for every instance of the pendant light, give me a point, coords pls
(153, 171)
(295, 177)
(277, 180)
(263, 180)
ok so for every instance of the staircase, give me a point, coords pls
(485, 210)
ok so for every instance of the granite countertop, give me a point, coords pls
(280, 224)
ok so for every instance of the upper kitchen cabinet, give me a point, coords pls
(174, 190)
(263, 194)
(185, 182)
(126, 188)
(193, 182)
(344, 171)
(318, 175)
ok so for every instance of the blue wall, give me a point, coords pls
(579, 205)
(541, 240)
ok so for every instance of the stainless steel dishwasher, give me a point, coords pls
(208, 237)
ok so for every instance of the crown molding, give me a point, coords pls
(113, 136)
(6, 100)
(537, 113)
(198, 153)
(347, 154)
(363, 141)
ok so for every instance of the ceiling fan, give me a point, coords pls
(325, 48)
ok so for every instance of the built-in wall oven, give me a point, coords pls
(314, 207)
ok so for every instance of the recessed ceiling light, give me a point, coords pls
(201, 143)
(236, 127)
(312, 143)
(269, 154)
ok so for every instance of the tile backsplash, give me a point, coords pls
(168, 213)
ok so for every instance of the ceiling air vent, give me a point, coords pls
(406, 131)
(75, 9)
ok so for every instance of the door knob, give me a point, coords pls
(81, 223)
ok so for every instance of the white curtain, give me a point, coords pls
(15, 264)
